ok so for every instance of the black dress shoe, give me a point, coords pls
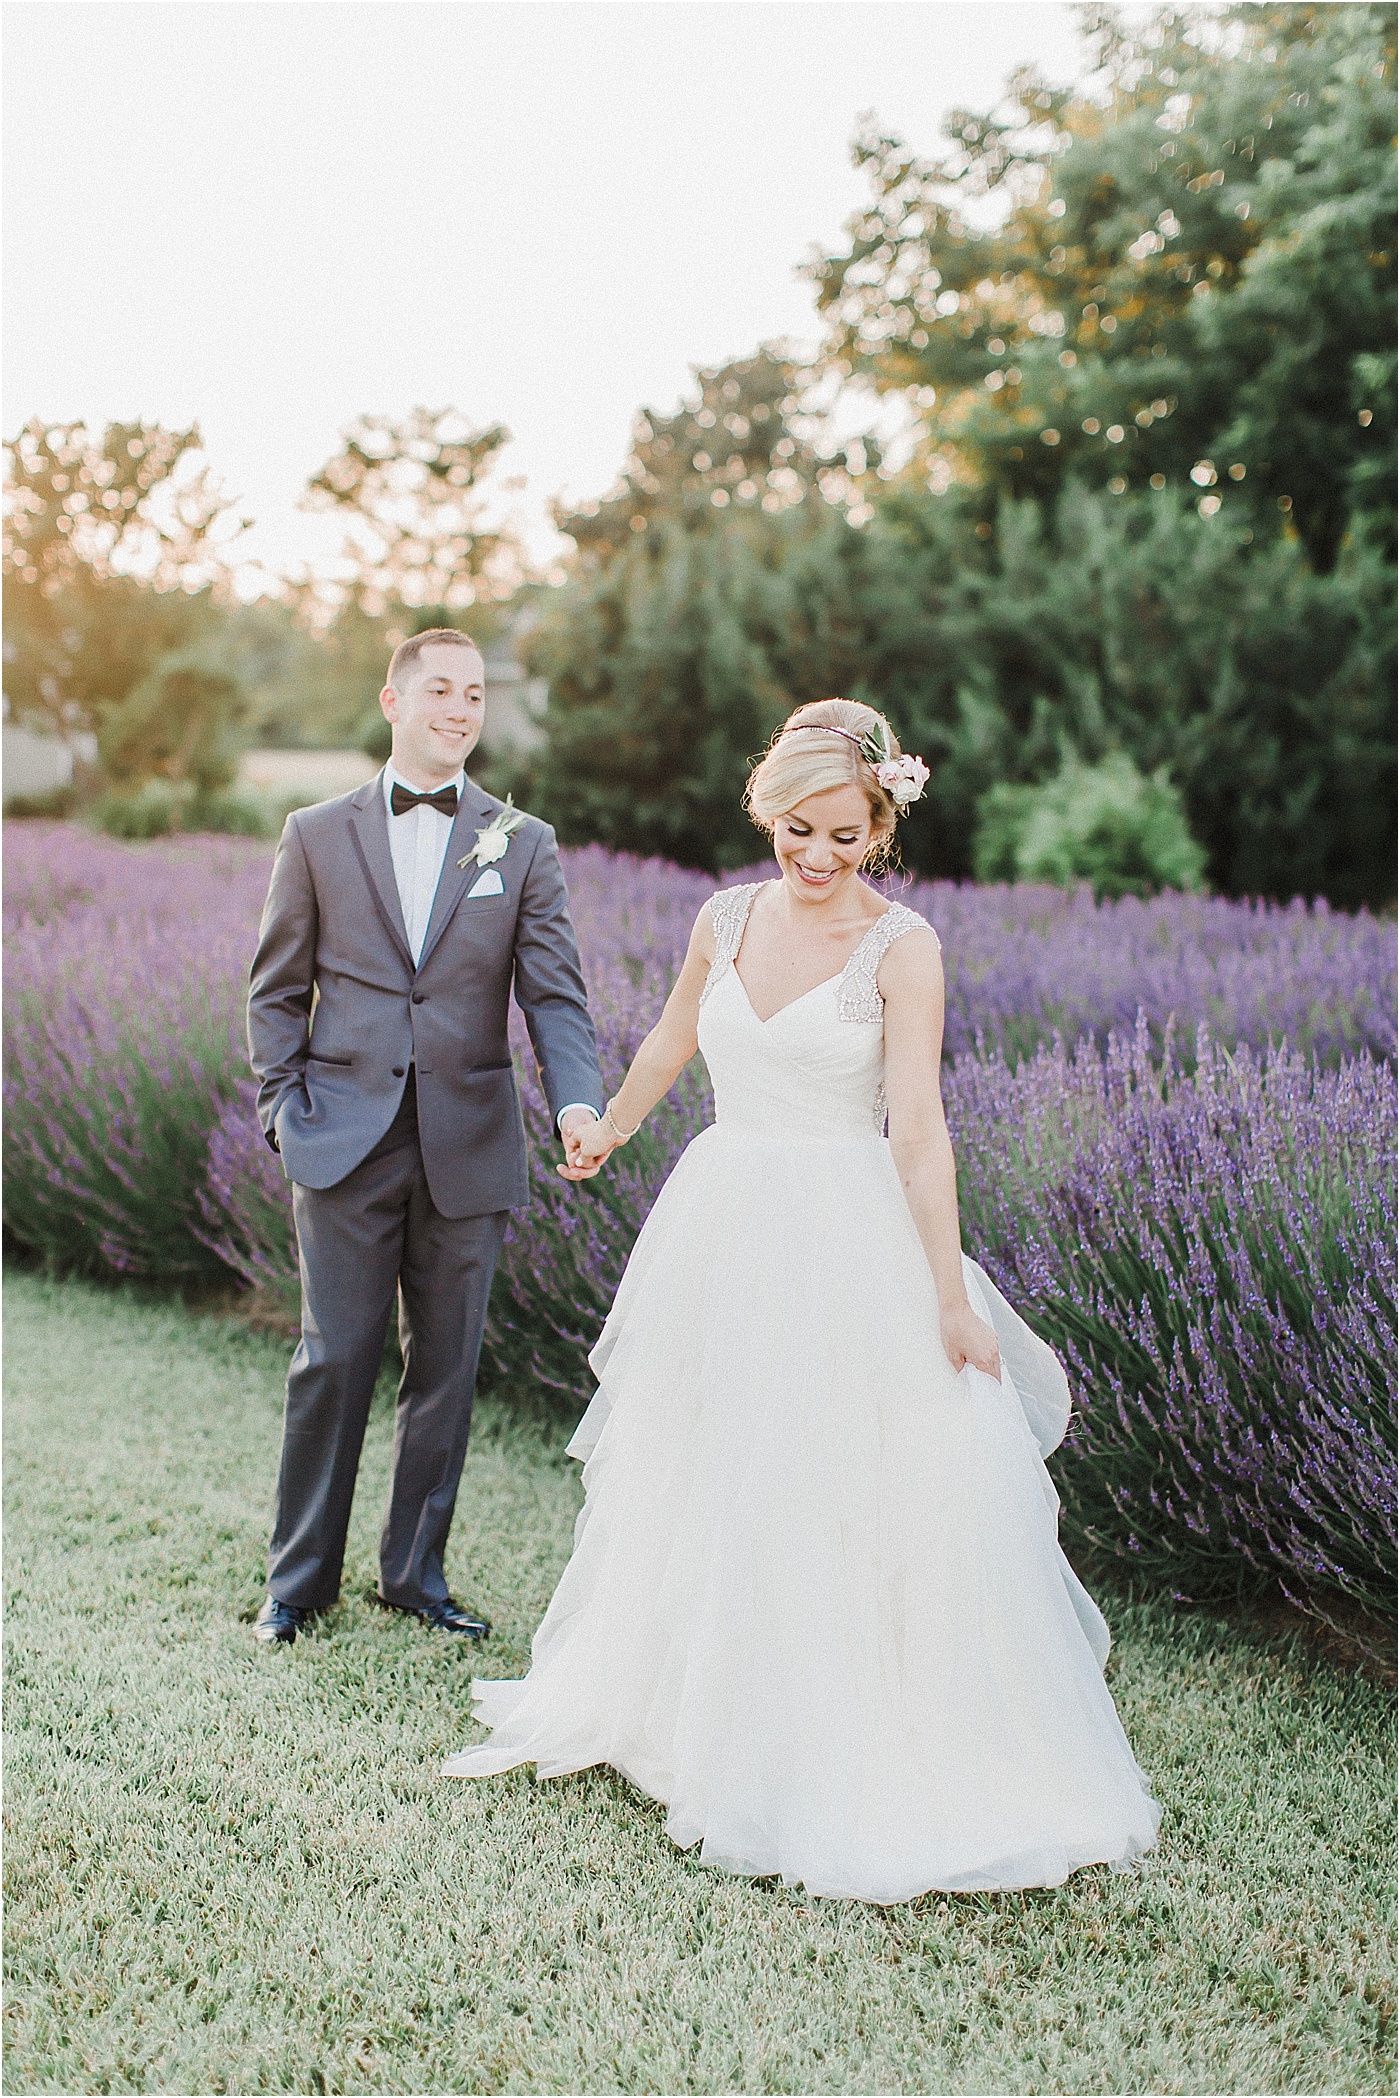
(277, 1624)
(446, 1616)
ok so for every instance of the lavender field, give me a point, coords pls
(1175, 1125)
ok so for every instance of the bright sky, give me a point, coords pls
(269, 217)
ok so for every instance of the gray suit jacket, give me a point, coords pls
(337, 1012)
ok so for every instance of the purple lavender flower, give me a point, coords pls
(1194, 1204)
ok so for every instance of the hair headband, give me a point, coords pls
(903, 779)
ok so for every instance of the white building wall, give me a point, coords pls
(33, 763)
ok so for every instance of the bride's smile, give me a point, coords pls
(822, 844)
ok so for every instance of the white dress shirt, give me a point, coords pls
(418, 847)
(418, 844)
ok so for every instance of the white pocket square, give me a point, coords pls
(487, 884)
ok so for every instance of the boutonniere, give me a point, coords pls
(494, 837)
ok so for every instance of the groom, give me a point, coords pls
(398, 920)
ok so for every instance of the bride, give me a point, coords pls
(816, 1603)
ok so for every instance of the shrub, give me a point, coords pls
(1099, 621)
(1024, 964)
(1104, 824)
(1209, 1249)
(161, 810)
(376, 736)
(1212, 1253)
(245, 1203)
(52, 805)
(154, 811)
(182, 721)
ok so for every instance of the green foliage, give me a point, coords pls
(74, 652)
(314, 677)
(665, 654)
(1104, 624)
(376, 737)
(118, 618)
(153, 811)
(663, 681)
(1149, 507)
(179, 723)
(53, 805)
(1105, 824)
(1134, 624)
(113, 541)
(1194, 279)
(161, 809)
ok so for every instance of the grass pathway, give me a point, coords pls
(238, 1871)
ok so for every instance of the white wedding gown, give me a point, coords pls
(816, 1602)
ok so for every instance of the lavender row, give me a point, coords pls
(1213, 1256)
(1204, 1231)
(1211, 1251)
(1029, 962)
(1024, 964)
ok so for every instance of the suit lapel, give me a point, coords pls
(473, 810)
(369, 828)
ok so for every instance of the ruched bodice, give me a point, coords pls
(815, 1069)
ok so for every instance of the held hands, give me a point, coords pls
(587, 1142)
(968, 1339)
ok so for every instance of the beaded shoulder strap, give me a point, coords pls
(858, 994)
(729, 911)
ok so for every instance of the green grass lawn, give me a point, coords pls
(230, 1870)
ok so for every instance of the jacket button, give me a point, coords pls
(419, 997)
(397, 1071)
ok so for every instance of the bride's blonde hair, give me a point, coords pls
(795, 766)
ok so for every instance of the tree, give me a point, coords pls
(1094, 626)
(1133, 624)
(661, 686)
(72, 655)
(1156, 398)
(180, 723)
(113, 541)
(412, 490)
(745, 440)
(135, 500)
(662, 655)
(1192, 286)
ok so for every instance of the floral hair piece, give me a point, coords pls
(903, 779)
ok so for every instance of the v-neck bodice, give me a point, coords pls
(815, 1068)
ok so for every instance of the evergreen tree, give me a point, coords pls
(1099, 625)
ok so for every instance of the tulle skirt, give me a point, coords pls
(816, 1603)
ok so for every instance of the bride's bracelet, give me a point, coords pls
(624, 1136)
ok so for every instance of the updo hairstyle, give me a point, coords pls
(795, 766)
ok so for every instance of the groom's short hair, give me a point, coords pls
(408, 652)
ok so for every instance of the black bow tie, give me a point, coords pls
(401, 801)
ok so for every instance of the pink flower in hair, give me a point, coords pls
(903, 779)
